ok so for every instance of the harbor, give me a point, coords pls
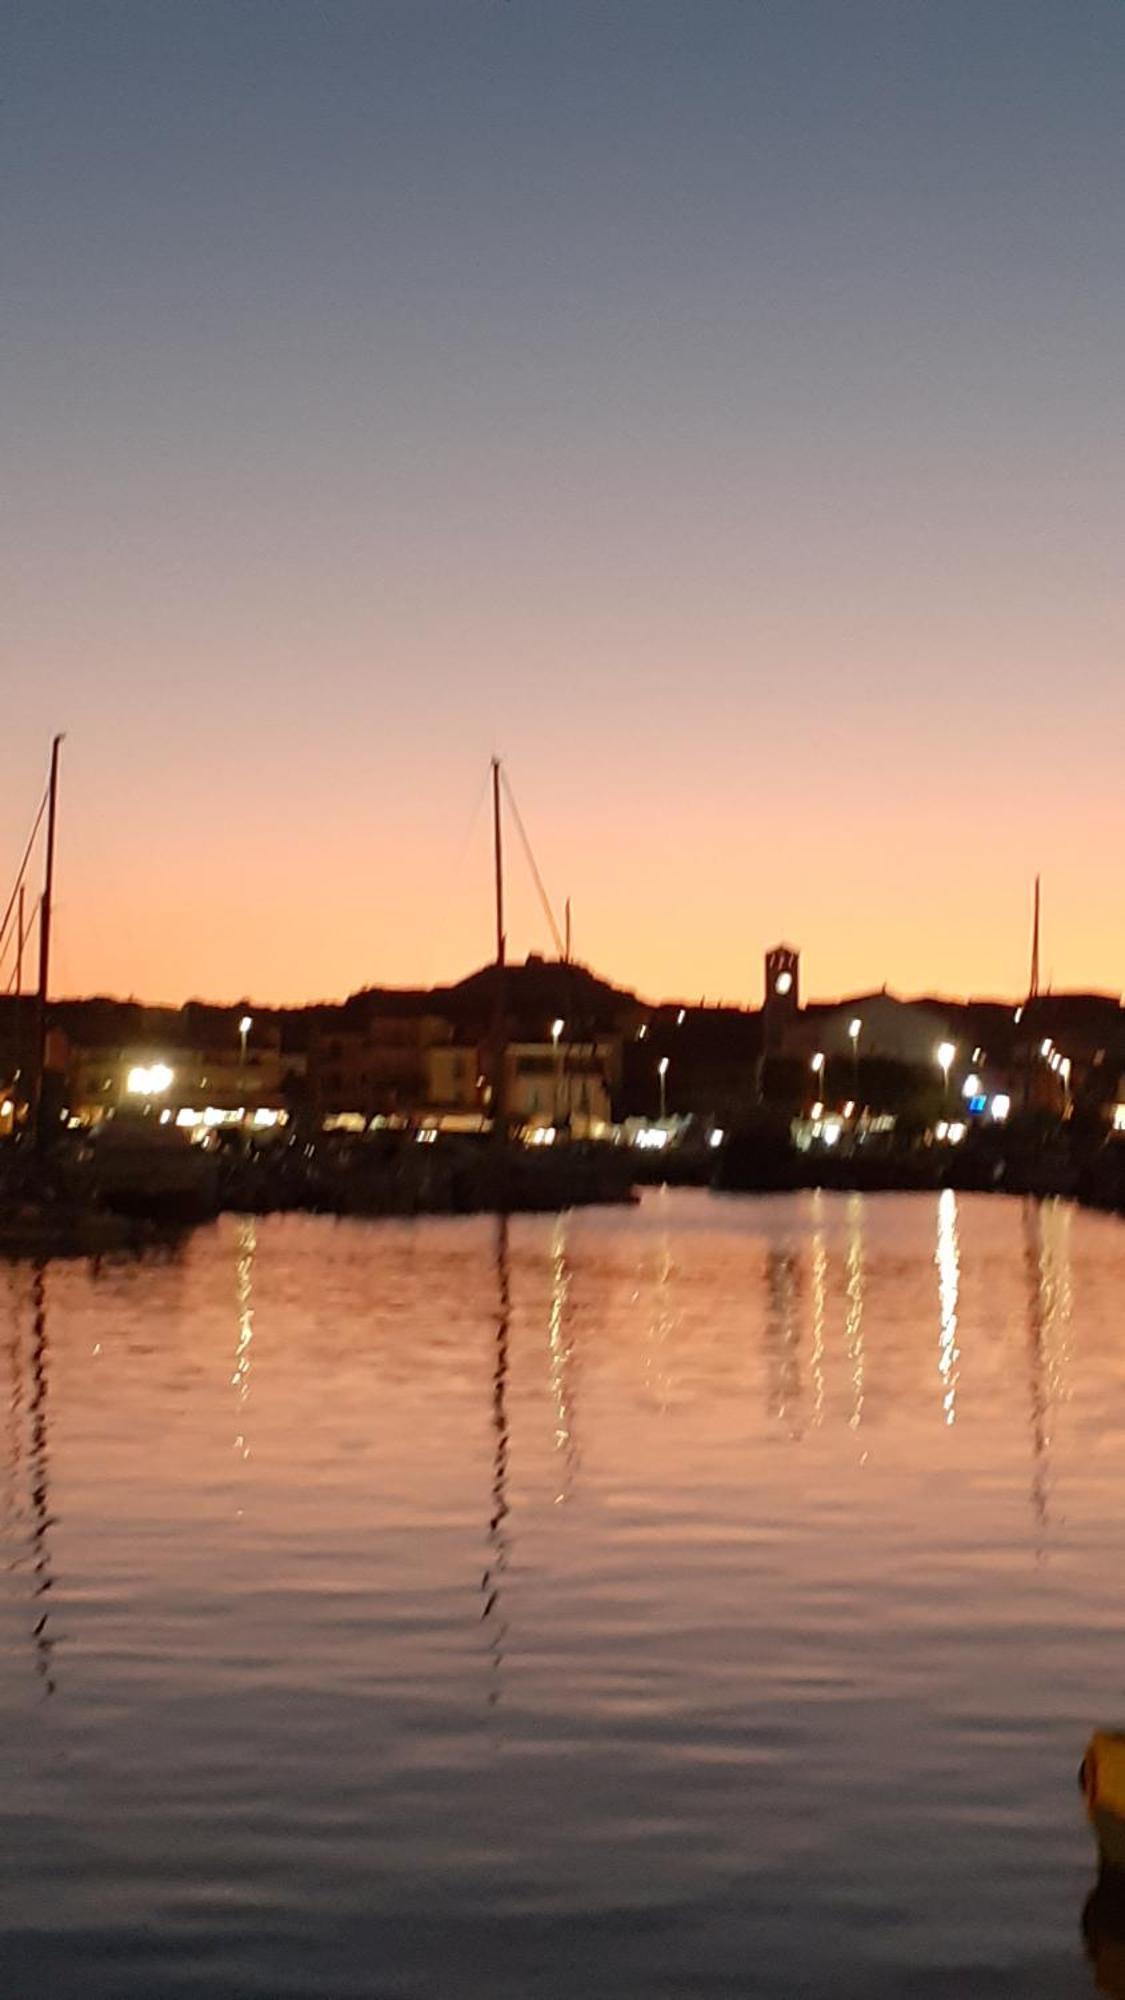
(746, 1540)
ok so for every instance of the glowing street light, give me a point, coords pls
(817, 1067)
(945, 1053)
(662, 1073)
(556, 1031)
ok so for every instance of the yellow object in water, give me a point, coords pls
(1103, 1784)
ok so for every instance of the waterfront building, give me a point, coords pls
(230, 1073)
(377, 1065)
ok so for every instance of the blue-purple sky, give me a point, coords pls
(715, 407)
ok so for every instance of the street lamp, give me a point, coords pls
(662, 1073)
(945, 1053)
(244, 1027)
(855, 1029)
(817, 1067)
(556, 1031)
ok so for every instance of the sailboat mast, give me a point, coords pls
(45, 940)
(498, 852)
(499, 1050)
(19, 946)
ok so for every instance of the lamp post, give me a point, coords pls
(855, 1029)
(945, 1053)
(556, 1031)
(662, 1073)
(244, 1027)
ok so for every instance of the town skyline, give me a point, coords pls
(413, 989)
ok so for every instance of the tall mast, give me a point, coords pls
(498, 852)
(45, 940)
(1033, 987)
(567, 952)
(19, 945)
(499, 1052)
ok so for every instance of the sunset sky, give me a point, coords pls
(715, 407)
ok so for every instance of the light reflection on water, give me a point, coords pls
(711, 1598)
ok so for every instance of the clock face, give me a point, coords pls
(783, 983)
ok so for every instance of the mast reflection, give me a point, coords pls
(853, 1318)
(39, 1479)
(247, 1242)
(14, 1455)
(495, 1572)
(662, 1318)
(561, 1359)
(1046, 1226)
(783, 1336)
(947, 1257)
(819, 1306)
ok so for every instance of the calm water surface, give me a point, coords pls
(707, 1599)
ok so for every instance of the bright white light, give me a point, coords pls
(941, 1129)
(427, 1137)
(651, 1137)
(246, 1023)
(830, 1134)
(1119, 1117)
(662, 1066)
(971, 1086)
(166, 1117)
(642, 1031)
(956, 1134)
(818, 1110)
(7, 1108)
(189, 1119)
(681, 1017)
(717, 1137)
(855, 1028)
(784, 982)
(945, 1053)
(818, 1062)
(556, 1030)
(1045, 1048)
(152, 1081)
(849, 1108)
(266, 1117)
(542, 1135)
(1001, 1105)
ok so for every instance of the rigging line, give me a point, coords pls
(23, 864)
(471, 825)
(13, 938)
(538, 879)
